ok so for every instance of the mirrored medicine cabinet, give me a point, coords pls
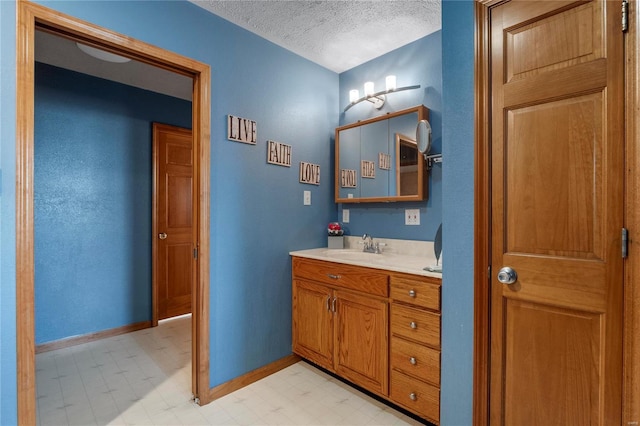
(377, 160)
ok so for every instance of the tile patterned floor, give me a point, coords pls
(144, 378)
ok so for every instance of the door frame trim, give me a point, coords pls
(631, 330)
(30, 16)
(482, 217)
(482, 229)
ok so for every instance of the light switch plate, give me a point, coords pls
(345, 215)
(412, 217)
(307, 198)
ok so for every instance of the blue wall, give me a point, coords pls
(457, 208)
(8, 402)
(420, 63)
(93, 187)
(257, 214)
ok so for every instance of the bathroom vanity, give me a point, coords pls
(372, 319)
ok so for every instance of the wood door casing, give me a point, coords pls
(631, 398)
(30, 16)
(557, 175)
(174, 263)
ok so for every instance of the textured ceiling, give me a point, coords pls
(338, 35)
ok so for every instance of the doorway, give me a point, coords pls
(30, 18)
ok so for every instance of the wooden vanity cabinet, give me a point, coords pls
(415, 345)
(339, 328)
(377, 329)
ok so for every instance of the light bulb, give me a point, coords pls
(368, 88)
(354, 95)
(391, 82)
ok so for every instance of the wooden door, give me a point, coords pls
(557, 212)
(174, 260)
(361, 352)
(313, 322)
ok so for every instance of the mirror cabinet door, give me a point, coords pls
(349, 176)
(402, 140)
(374, 140)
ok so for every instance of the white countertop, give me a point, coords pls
(406, 263)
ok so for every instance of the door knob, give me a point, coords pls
(507, 275)
(162, 236)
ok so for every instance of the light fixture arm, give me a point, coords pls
(433, 159)
(378, 98)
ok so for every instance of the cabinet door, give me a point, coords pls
(313, 323)
(362, 340)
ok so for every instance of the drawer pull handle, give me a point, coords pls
(334, 277)
(413, 361)
(413, 325)
(412, 293)
(413, 396)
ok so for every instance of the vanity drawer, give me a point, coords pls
(417, 396)
(415, 291)
(366, 280)
(415, 324)
(415, 360)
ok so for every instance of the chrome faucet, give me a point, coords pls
(369, 245)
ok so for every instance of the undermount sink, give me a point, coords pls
(352, 255)
(372, 259)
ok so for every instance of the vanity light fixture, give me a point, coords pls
(376, 98)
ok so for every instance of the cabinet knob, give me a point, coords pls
(413, 396)
(413, 325)
(413, 361)
(412, 293)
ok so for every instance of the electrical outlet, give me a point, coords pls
(307, 198)
(345, 215)
(412, 217)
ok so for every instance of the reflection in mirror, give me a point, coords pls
(349, 163)
(406, 165)
(374, 140)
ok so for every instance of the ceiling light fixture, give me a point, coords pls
(102, 54)
(376, 98)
